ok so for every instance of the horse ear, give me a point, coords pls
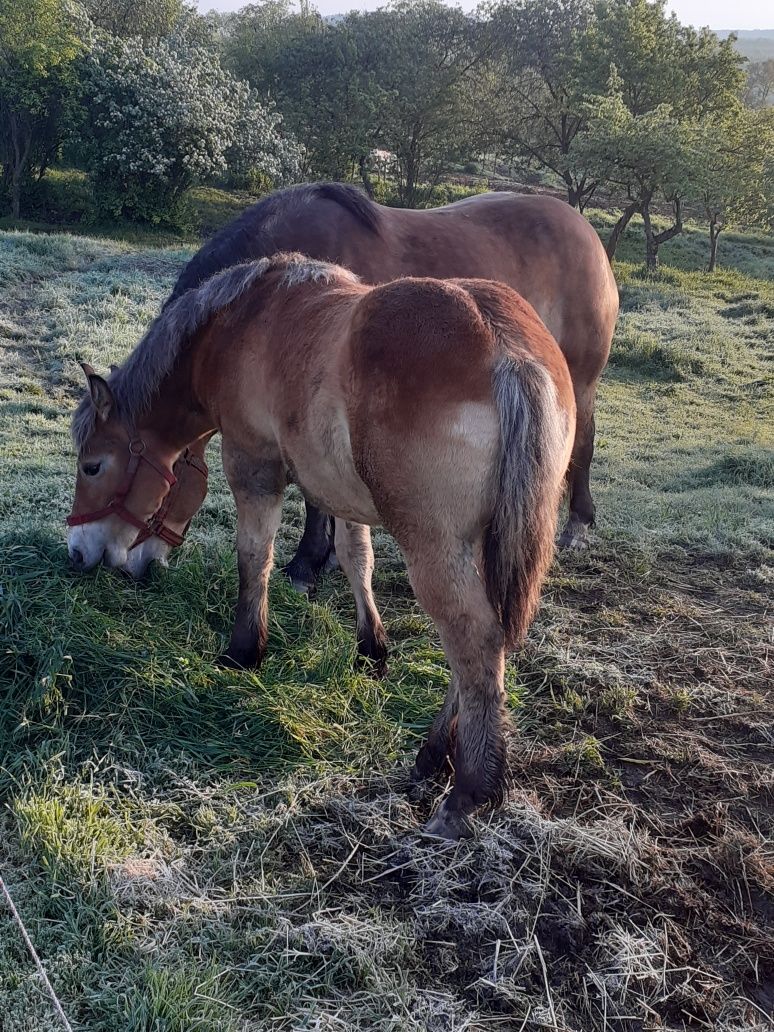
(101, 395)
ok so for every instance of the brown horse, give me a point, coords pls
(442, 410)
(538, 245)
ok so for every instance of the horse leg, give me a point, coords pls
(438, 747)
(313, 550)
(356, 556)
(259, 507)
(582, 511)
(445, 578)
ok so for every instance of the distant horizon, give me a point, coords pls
(751, 15)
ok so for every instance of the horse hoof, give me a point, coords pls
(376, 668)
(448, 824)
(372, 654)
(228, 662)
(575, 537)
(301, 577)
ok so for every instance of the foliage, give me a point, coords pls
(166, 116)
(148, 20)
(256, 39)
(659, 61)
(646, 156)
(386, 192)
(262, 156)
(426, 59)
(39, 42)
(329, 93)
(735, 172)
(759, 89)
(542, 82)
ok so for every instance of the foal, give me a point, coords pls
(442, 410)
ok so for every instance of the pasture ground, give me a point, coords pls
(194, 849)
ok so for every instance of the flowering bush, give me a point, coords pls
(165, 115)
(262, 155)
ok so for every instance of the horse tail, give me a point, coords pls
(519, 543)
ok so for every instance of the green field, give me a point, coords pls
(195, 849)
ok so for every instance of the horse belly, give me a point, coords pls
(325, 472)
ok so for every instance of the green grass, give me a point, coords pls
(200, 849)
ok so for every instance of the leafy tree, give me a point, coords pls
(38, 45)
(542, 83)
(735, 172)
(257, 39)
(659, 61)
(146, 19)
(759, 88)
(661, 66)
(262, 155)
(162, 117)
(648, 156)
(330, 96)
(426, 59)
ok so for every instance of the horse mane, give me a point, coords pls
(252, 234)
(136, 382)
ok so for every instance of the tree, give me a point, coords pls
(735, 172)
(330, 96)
(658, 65)
(659, 61)
(426, 59)
(542, 82)
(148, 20)
(165, 116)
(759, 88)
(648, 156)
(257, 38)
(262, 153)
(38, 46)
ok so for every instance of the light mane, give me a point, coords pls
(136, 382)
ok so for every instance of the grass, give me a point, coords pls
(194, 849)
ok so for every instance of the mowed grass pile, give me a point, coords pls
(194, 849)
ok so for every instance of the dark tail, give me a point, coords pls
(530, 471)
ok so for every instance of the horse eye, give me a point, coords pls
(91, 469)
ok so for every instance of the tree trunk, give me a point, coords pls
(654, 240)
(21, 152)
(578, 194)
(714, 230)
(364, 175)
(573, 193)
(16, 192)
(618, 228)
(651, 241)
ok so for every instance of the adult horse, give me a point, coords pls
(443, 410)
(538, 245)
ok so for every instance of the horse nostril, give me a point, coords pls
(76, 557)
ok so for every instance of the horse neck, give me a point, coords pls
(177, 416)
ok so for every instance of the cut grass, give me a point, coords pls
(200, 849)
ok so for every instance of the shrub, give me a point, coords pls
(164, 116)
(386, 192)
(262, 156)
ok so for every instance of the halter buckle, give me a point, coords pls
(136, 446)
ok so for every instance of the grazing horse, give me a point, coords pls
(538, 245)
(442, 410)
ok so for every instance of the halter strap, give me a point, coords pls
(115, 506)
(156, 527)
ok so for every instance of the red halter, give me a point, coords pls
(155, 525)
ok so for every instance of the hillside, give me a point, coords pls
(755, 44)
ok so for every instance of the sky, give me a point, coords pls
(718, 14)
